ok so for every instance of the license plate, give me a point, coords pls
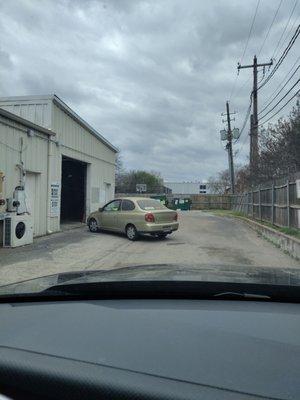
(166, 228)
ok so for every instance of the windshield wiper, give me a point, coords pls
(190, 290)
(233, 295)
(71, 289)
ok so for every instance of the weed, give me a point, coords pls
(230, 213)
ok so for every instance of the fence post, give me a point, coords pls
(288, 202)
(272, 204)
(252, 204)
(248, 203)
(259, 203)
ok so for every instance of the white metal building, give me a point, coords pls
(68, 167)
(187, 187)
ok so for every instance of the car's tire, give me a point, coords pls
(131, 232)
(162, 235)
(93, 225)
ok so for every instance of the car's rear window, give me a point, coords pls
(149, 204)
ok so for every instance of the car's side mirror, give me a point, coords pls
(100, 209)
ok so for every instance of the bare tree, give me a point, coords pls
(280, 148)
(219, 184)
(128, 180)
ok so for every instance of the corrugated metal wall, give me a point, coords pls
(76, 142)
(35, 161)
(35, 111)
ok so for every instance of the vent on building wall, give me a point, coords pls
(7, 231)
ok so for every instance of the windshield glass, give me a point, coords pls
(150, 205)
(149, 140)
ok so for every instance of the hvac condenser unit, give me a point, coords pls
(17, 230)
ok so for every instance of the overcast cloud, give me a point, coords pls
(151, 76)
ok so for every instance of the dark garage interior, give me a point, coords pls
(73, 189)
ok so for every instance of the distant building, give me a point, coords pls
(187, 187)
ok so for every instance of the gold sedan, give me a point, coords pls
(134, 216)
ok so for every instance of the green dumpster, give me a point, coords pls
(181, 204)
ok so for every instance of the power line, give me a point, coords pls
(245, 48)
(233, 87)
(270, 27)
(279, 101)
(250, 31)
(286, 37)
(248, 110)
(298, 92)
(246, 118)
(285, 28)
(283, 56)
(244, 123)
(278, 86)
(263, 77)
(242, 145)
(244, 84)
(280, 91)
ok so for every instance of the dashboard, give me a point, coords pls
(150, 349)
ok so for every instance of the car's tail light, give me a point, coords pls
(176, 217)
(149, 217)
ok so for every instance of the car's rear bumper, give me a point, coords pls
(159, 228)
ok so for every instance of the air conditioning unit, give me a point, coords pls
(17, 203)
(17, 230)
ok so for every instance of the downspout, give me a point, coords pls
(48, 227)
(50, 124)
(21, 165)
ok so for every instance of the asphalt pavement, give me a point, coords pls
(202, 239)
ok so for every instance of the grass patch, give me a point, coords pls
(230, 213)
(225, 213)
(290, 231)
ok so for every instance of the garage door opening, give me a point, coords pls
(73, 190)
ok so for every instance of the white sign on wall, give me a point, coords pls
(141, 187)
(298, 188)
(55, 199)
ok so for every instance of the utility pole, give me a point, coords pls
(229, 145)
(251, 144)
(254, 116)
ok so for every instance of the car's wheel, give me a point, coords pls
(162, 235)
(93, 225)
(131, 232)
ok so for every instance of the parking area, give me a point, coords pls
(202, 239)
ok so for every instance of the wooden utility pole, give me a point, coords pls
(251, 146)
(229, 148)
(229, 145)
(254, 116)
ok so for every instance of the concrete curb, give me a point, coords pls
(285, 242)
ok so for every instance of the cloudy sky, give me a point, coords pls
(151, 76)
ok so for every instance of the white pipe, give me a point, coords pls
(48, 219)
